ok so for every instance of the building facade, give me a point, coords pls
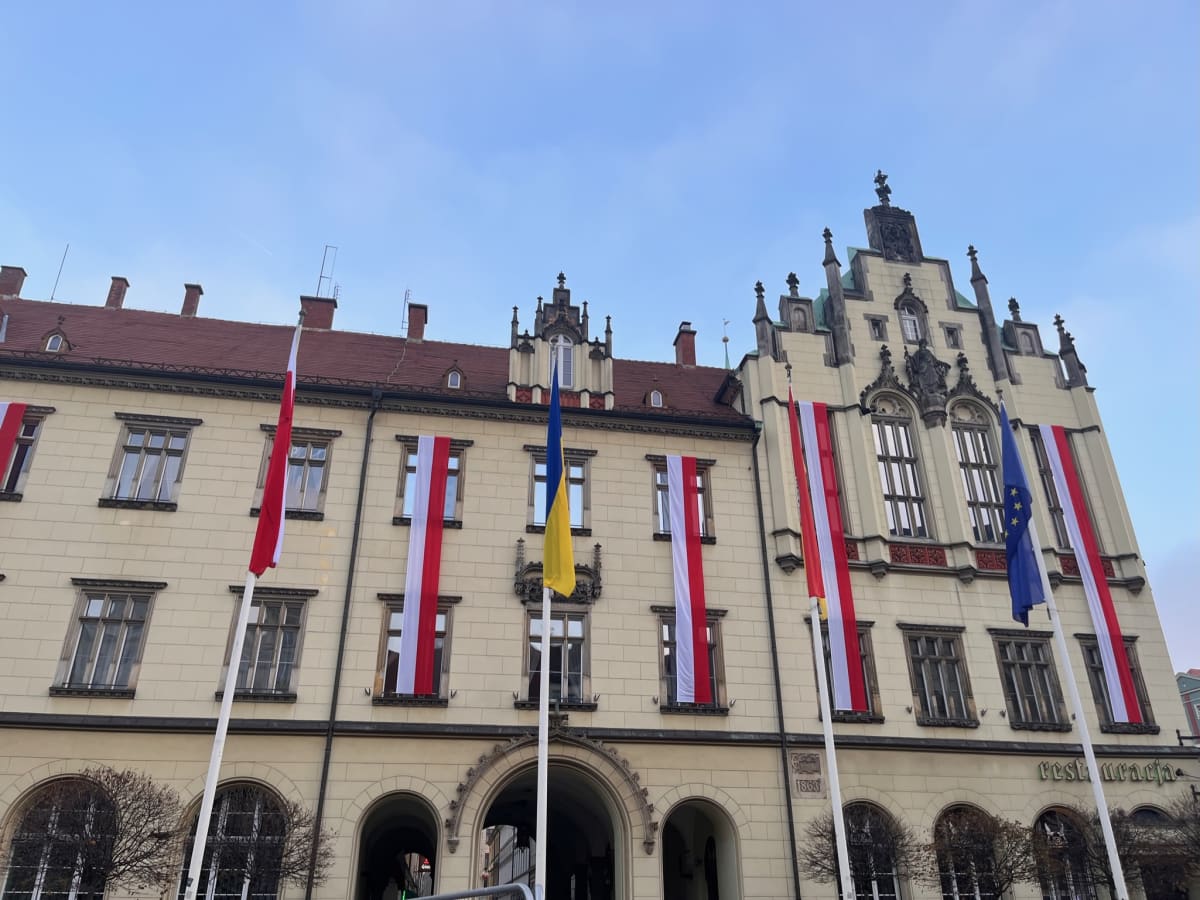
(135, 483)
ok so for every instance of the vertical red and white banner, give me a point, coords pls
(1117, 674)
(11, 417)
(820, 513)
(418, 630)
(693, 679)
(268, 538)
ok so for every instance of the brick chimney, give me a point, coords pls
(191, 299)
(318, 312)
(418, 318)
(116, 293)
(12, 279)
(685, 345)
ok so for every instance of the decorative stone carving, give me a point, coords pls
(966, 387)
(886, 380)
(917, 555)
(527, 584)
(927, 382)
(991, 561)
(852, 550)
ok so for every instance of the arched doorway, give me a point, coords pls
(583, 832)
(699, 854)
(397, 850)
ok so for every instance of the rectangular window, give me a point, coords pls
(662, 500)
(903, 500)
(271, 650)
(569, 658)
(1031, 689)
(406, 492)
(953, 336)
(941, 690)
(867, 655)
(1095, 670)
(576, 463)
(1052, 502)
(977, 466)
(307, 470)
(17, 473)
(148, 466)
(104, 648)
(668, 673)
(390, 662)
(878, 327)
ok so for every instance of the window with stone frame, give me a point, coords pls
(406, 489)
(389, 653)
(1099, 684)
(147, 468)
(877, 325)
(576, 470)
(953, 334)
(940, 686)
(963, 845)
(570, 658)
(1032, 694)
(979, 471)
(270, 659)
(102, 653)
(866, 653)
(562, 355)
(668, 701)
(307, 471)
(873, 864)
(1062, 851)
(15, 476)
(912, 324)
(662, 498)
(1053, 504)
(243, 852)
(899, 470)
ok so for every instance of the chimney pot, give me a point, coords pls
(116, 292)
(12, 279)
(685, 345)
(191, 299)
(318, 312)
(418, 318)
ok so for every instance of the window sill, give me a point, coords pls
(936, 722)
(114, 693)
(865, 718)
(666, 536)
(307, 515)
(410, 700)
(1040, 726)
(11, 496)
(122, 503)
(259, 696)
(693, 709)
(541, 529)
(555, 705)
(1130, 728)
(446, 523)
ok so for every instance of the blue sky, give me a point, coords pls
(665, 156)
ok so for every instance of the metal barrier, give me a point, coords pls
(499, 890)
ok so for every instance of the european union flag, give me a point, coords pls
(1024, 576)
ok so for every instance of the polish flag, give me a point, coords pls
(693, 681)
(414, 674)
(1121, 693)
(11, 417)
(268, 539)
(825, 548)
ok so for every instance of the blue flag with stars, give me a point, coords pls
(1024, 577)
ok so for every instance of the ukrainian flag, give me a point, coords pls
(558, 563)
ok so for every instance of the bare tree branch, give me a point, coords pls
(877, 844)
(997, 852)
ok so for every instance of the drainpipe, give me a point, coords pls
(766, 571)
(376, 400)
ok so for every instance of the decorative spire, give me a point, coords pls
(883, 190)
(793, 284)
(562, 280)
(1063, 334)
(830, 256)
(1015, 308)
(976, 272)
(539, 306)
(725, 341)
(1075, 369)
(759, 291)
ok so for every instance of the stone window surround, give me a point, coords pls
(309, 435)
(577, 456)
(458, 449)
(720, 705)
(380, 696)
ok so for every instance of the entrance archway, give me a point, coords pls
(397, 856)
(699, 854)
(583, 832)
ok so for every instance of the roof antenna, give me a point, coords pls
(328, 259)
(404, 328)
(60, 268)
(725, 341)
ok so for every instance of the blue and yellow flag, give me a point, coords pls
(558, 563)
(1024, 576)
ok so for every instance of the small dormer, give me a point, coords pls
(560, 338)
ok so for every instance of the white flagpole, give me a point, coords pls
(543, 757)
(835, 786)
(218, 747)
(1085, 736)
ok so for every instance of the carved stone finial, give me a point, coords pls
(788, 368)
(961, 362)
(828, 235)
(883, 190)
(830, 256)
(907, 281)
(539, 306)
(971, 252)
(1015, 308)
(793, 284)
(562, 280)
(1058, 323)
(885, 356)
(759, 290)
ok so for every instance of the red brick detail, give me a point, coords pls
(852, 550)
(1070, 566)
(565, 398)
(524, 395)
(991, 560)
(1107, 566)
(595, 402)
(917, 555)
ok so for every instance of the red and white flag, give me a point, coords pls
(825, 548)
(1119, 677)
(692, 677)
(418, 630)
(11, 417)
(268, 539)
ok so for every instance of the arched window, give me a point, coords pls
(899, 471)
(54, 343)
(910, 322)
(873, 840)
(963, 839)
(656, 399)
(63, 845)
(244, 851)
(977, 466)
(562, 354)
(454, 379)
(1062, 850)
